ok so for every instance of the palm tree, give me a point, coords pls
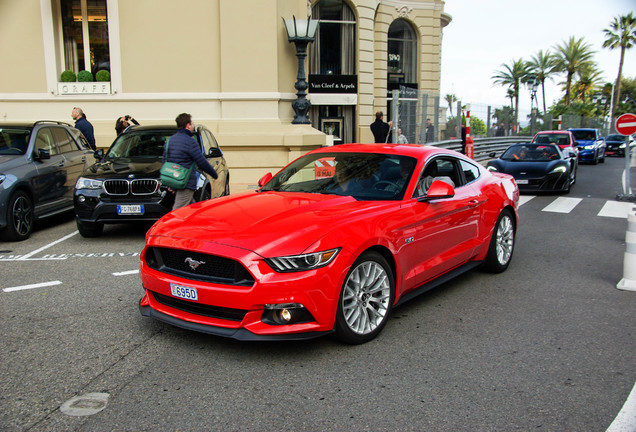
(450, 100)
(572, 57)
(542, 67)
(512, 75)
(589, 79)
(622, 33)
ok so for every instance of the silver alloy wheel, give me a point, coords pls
(366, 296)
(505, 239)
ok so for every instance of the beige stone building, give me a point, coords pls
(226, 62)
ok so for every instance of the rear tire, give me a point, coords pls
(89, 229)
(366, 299)
(502, 244)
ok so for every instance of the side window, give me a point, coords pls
(44, 141)
(207, 144)
(442, 168)
(65, 143)
(471, 172)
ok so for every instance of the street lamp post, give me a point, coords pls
(533, 86)
(301, 33)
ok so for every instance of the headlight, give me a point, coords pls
(559, 169)
(492, 168)
(622, 146)
(87, 183)
(589, 147)
(295, 263)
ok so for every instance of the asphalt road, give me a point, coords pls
(547, 345)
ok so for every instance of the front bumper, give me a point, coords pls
(587, 155)
(237, 310)
(550, 183)
(91, 206)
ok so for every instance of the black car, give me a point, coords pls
(538, 167)
(124, 185)
(616, 144)
(39, 164)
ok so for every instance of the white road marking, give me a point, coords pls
(29, 255)
(525, 198)
(32, 286)
(562, 205)
(625, 421)
(124, 273)
(616, 209)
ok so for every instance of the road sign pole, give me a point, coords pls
(627, 187)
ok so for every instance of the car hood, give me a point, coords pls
(268, 223)
(9, 161)
(526, 169)
(123, 168)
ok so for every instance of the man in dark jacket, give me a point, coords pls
(84, 126)
(184, 150)
(381, 129)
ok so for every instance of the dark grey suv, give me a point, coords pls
(39, 165)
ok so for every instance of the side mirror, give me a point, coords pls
(214, 152)
(99, 154)
(43, 154)
(492, 154)
(438, 190)
(575, 144)
(265, 179)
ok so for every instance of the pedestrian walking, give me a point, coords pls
(184, 150)
(84, 126)
(381, 130)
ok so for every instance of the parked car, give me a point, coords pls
(39, 164)
(616, 144)
(124, 185)
(591, 145)
(319, 249)
(538, 167)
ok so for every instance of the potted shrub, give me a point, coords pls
(85, 76)
(102, 75)
(68, 76)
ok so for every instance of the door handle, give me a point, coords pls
(61, 164)
(473, 203)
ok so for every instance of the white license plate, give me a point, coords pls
(134, 209)
(522, 181)
(184, 292)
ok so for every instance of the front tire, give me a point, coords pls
(502, 244)
(365, 300)
(19, 217)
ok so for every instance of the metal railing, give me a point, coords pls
(484, 146)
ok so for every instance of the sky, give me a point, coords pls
(484, 34)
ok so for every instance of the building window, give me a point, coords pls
(85, 35)
(402, 51)
(334, 50)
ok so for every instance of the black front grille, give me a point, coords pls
(116, 187)
(201, 309)
(198, 266)
(144, 186)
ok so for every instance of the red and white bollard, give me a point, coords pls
(470, 143)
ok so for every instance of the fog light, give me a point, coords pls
(286, 313)
(81, 198)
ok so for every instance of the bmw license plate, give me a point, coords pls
(184, 292)
(522, 181)
(130, 209)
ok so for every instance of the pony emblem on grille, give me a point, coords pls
(193, 263)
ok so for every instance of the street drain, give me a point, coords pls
(85, 405)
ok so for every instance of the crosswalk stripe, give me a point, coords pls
(562, 205)
(524, 199)
(616, 209)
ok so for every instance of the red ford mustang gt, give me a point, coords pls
(331, 243)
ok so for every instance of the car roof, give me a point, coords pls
(33, 124)
(413, 150)
(553, 132)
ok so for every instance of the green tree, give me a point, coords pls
(590, 78)
(542, 66)
(450, 100)
(621, 34)
(627, 104)
(512, 75)
(571, 58)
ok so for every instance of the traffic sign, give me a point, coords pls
(626, 124)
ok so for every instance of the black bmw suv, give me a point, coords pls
(124, 185)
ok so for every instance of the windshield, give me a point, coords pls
(14, 141)
(364, 176)
(615, 138)
(558, 139)
(532, 153)
(584, 135)
(146, 145)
